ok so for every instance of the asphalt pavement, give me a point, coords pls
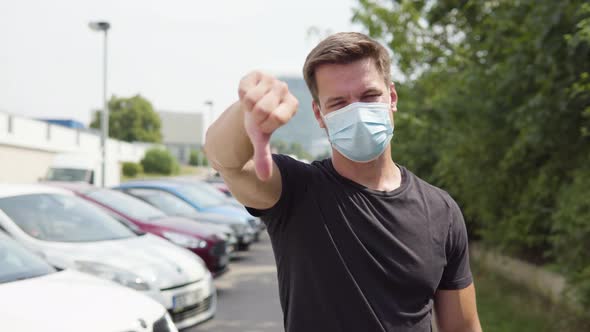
(248, 299)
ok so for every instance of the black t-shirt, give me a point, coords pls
(350, 258)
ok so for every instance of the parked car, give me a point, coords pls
(209, 189)
(217, 182)
(84, 167)
(34, 296)
(206, 240)
(70, 232)
(196, 204)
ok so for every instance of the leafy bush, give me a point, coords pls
(197, 158)
(159, 161)
(131, 169)
(194, 158)
(571, 231)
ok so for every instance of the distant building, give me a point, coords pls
(28, 147)
(303, 128)
(182, 132)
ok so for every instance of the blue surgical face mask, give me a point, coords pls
(360, 131)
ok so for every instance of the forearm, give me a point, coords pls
(456, 310)
(227, 145)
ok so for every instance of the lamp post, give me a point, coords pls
(210, 104)
(209, 117)
(102, 26)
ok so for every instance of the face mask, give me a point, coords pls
(360, 131)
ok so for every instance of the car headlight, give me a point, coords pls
(120, 276)
(185, 240)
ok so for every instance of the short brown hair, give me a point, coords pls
(343, 48)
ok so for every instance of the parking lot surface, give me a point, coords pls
(248, 299)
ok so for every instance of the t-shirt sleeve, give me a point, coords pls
(293, 178)
(457, 272)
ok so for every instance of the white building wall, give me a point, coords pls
(27, 147)
(182, 128)
(21, 165)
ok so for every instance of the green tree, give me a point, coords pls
(495, 108)
(131, 119)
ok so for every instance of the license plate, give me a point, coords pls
(180, 301)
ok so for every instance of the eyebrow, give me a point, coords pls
(372, 90)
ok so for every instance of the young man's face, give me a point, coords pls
(343, 84)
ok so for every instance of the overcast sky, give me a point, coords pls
(177, 53)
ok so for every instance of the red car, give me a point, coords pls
(206, 240)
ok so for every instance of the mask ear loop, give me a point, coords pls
(325, 124)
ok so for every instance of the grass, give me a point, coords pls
(506, 307)
(184, 170)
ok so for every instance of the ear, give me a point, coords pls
(393, 95)
(318, 115)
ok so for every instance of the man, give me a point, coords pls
(361, 244)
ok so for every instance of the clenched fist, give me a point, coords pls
(267, 105)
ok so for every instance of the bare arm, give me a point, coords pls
(456, 310)
(237, 143)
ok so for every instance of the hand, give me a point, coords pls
(267, 105)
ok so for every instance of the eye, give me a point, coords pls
(338, 104)
(372, 96)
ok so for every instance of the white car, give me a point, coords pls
(72, 233)
(35, 297)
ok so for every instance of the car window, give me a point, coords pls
(17, 263)
(125, 222)
(211, 190)
(198, 196)
(126, 204)
(62, 218)
(170, 204)
(69, 175)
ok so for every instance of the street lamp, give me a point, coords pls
(102, 26)
(210, 117)
(210, 104)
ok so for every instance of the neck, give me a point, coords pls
(380, 174)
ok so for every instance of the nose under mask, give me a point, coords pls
(360, 131)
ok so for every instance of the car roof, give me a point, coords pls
(11, 190)
(151, 183)
(77, 187)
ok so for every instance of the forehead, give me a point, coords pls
(335, 80)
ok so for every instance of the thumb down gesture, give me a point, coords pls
(267, 105)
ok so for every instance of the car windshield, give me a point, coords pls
(17, 263)
(126, 204)
(211, 190)
(199, 196)
(68, 175)
(170, 204)
(62, 218)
